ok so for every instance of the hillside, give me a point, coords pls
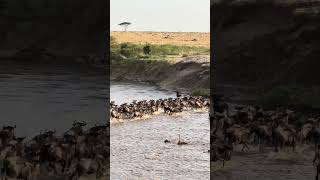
(266, 44)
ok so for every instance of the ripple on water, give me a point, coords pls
(138, 149)
(122, 92)
(50, 97)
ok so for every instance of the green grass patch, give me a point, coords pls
(293, 97)
(152, 52)
(201, 92)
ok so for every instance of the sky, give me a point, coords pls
(161, 15)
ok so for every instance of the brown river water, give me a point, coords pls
(37, 96)
(137, 147)
(267, 165)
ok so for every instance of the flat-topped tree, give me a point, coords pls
(125, 25)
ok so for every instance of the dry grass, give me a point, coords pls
(161, 38)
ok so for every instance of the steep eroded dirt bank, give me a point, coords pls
(186, 74)
(264, 45)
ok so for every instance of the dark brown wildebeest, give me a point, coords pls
(220, 152)
(282, 137)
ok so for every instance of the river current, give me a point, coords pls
(35, 97)
(137, 147)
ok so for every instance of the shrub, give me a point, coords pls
(278, 96)
(146, 49)
(130, 50)
(290, 97)
(201, 92)
(151, 51)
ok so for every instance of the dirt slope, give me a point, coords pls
(266, 44)
(186, 74)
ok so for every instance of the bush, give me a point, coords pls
(130, 50)
(201, 92)
(290, 97)
(146, 49)
(113, 48)
(279, 96)
(150, 51)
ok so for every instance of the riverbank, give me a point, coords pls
(186, 74)
(170, 60)
(42, 56)
(277, 59)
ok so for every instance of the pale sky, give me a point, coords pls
(161, 15)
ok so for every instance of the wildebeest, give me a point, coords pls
(48, 154)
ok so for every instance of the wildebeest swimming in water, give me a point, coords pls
(77, 152)
(218, 105)
(219, 150)
(279, 128)
(316, 161)
(170, 106)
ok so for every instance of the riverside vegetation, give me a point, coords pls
(162, 64)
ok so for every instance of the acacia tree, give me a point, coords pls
(125, 25)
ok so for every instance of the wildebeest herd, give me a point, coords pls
(280, 129)
(170, 106)
(76, 153)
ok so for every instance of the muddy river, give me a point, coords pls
(36, 97)
(267, 165)
(137, 147)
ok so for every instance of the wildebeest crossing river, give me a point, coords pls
(138, 150)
